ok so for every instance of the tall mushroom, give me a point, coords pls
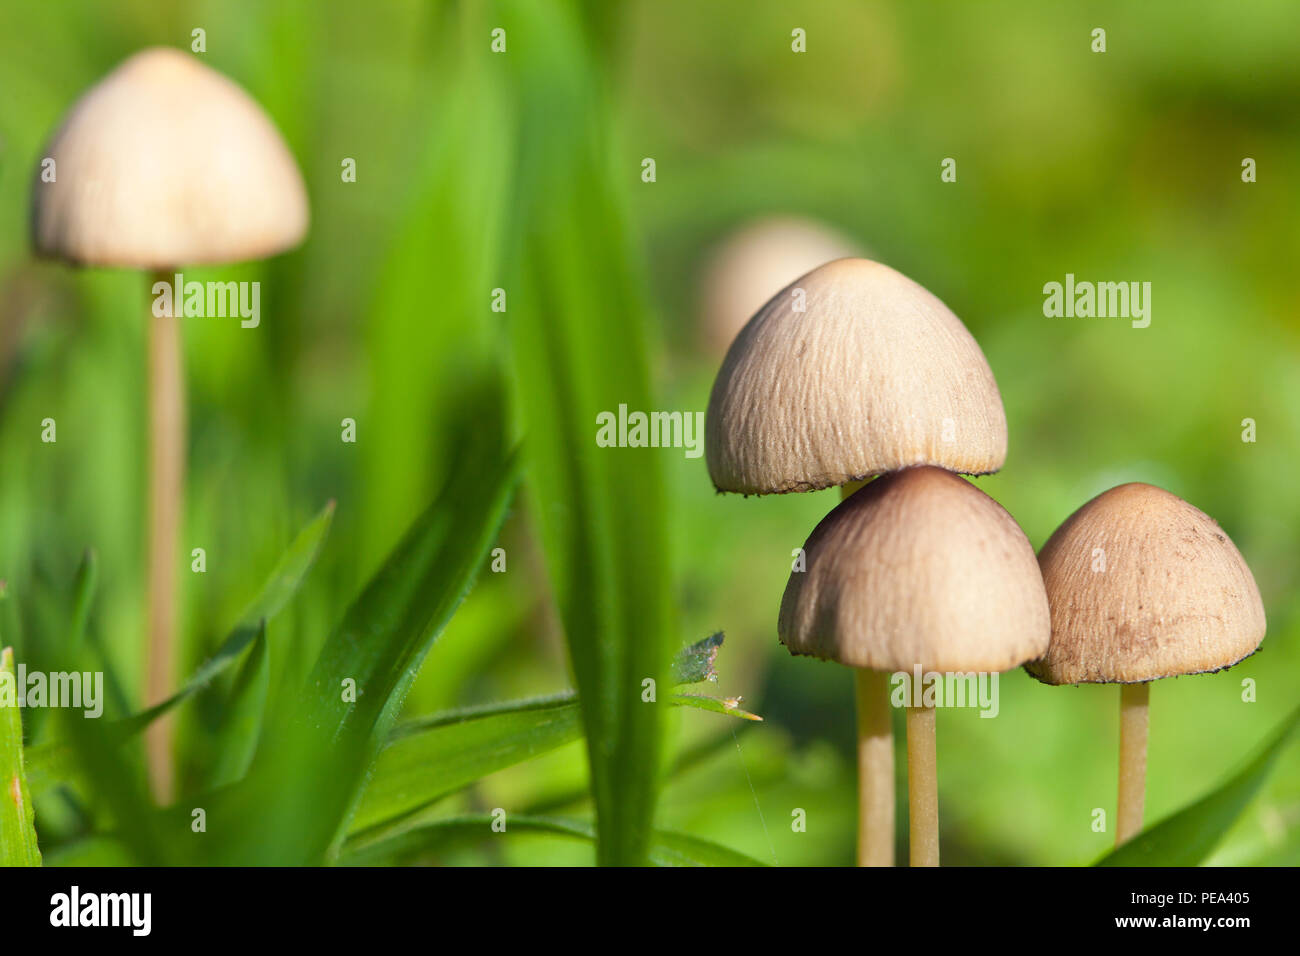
(920, 570)
(165, 163)
(1142, 585)
(852, 371)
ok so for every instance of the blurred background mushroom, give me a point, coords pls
(754, 263)
(165, 163)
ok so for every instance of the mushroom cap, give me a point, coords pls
(875, 374)
(1175, 595)
(919, 567)
(165, 162)
(756, 262)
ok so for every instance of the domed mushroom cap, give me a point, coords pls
(166, 162)
(919, 567)
(875, 374)
(1143, 585)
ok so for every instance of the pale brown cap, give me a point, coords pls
(1142, 585)
(875, 375)
(166, 162)
(919, 567)
(754, 263)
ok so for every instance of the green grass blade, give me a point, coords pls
(579, 340)
(1190, 835)
(431, 757)
(17, 817)
(426, 760)
(83, 594)
(326, 736)
(417, 837)
(241, 721)
(280, 586)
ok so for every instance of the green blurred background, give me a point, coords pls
(1117, 166)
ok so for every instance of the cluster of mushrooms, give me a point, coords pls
(857, 377)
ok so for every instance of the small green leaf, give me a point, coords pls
(419, 836)
(695, 664)
(428, 759)
(1188, 837)
(17, 818)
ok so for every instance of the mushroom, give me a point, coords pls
(918, 571)
(164, 163)
(851, 371)
(1142, 585)
(754, 263)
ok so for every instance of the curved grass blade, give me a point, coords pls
(241, 722)
(17, 817)
(1191, 834)
(280, 586)
(417, 837)
(426, 760)
(327, 735)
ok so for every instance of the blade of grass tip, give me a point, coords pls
(18, 845)
(83, 595)
(601, 511)
(325, 737)
(279, 587)
(241, 720)
(1187, 837)
(717, 705)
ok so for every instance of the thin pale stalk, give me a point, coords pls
(166, 478)
(922, 787)
(875, 769)
(875, 759)
(1133, 723)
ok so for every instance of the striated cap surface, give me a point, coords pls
(919, 567)
(1143, 585)
(875, 374)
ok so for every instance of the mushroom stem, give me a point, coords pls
(922, 787)
(875, 769)
(166, 475)
(875, 758)
(1133, 723)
